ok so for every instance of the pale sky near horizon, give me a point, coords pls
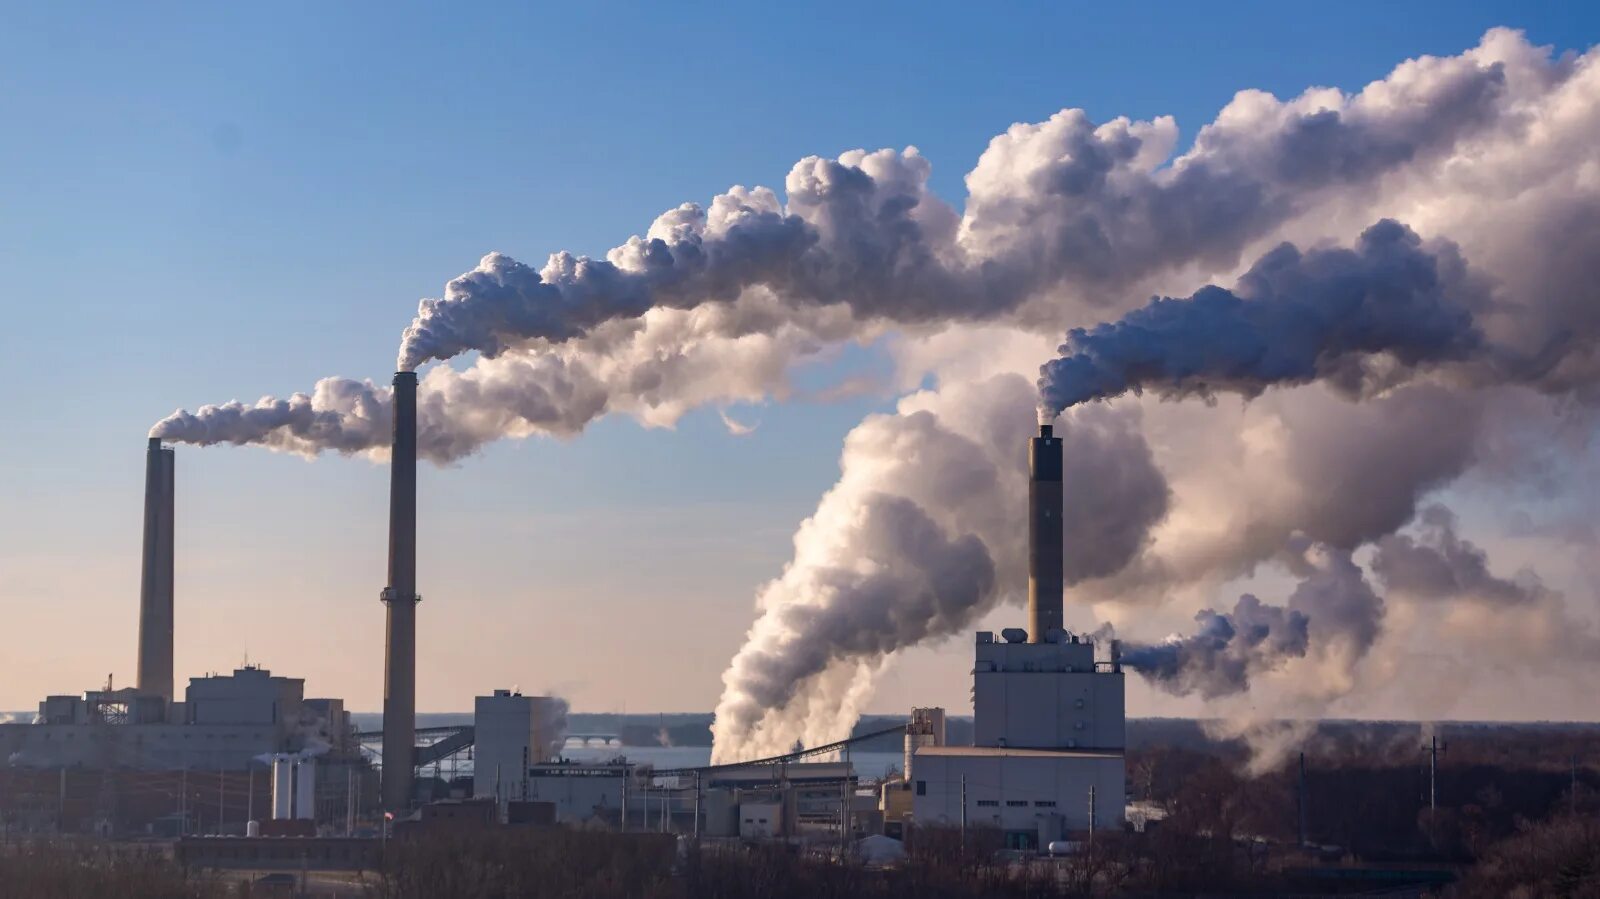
(207, 203)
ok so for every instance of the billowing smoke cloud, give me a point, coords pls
(1063, 200)
(1225, 649)
(1488, 155)
(916, 542)
(1294, 318)
(1509, 622)
(1333, 615)
(1061, 216)
(1438, 564)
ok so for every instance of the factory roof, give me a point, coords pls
(1016, 753)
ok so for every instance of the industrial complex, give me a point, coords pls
(249, 757)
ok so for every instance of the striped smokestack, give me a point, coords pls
(400, 648)
(155, 585)
(1046, 541)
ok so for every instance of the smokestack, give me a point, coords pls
(400, 648)
(155, 585)
(1046, 547)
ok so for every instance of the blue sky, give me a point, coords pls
(200, 203)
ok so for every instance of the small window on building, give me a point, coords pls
(1044, 803)
(922, 788)
(988, 803)
(1016, 803)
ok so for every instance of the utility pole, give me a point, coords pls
(1091, 814)
(349, 800)
(250, 796)
(624, 799)
(844, 815)
(697, 806)
(1433, 749)
(1301, 794)
(963, 814)
(1573, 798)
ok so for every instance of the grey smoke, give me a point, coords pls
(1438, 564)
(1333, 615)
(1294, 318)
(1225, 649)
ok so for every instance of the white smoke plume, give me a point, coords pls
(1487, 155)
(915, 543)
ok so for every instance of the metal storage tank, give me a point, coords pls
(282, 787)
(305, 789)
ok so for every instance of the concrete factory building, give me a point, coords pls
(123, 741)
(1049, 712)
(513, 733)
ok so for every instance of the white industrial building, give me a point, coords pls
(512, 734)
(1049, 727)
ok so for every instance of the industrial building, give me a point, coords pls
(513, 733)
(1049, 714)
(138, 746)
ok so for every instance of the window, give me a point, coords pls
(922, 788)
(1044, 803)
(988, 803)
(1016, 803)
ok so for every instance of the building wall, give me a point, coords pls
(1046, 695)
(503, 735)
(155, 747)
(509, 736)
(578, 797)
(1017, 793)
(248, 696)
(760, 820)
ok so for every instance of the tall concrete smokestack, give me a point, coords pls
(155, 585)
(1046, 547)
(400, 648)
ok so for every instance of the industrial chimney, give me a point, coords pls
(400, 648)
(155, 585)
(1046, 543)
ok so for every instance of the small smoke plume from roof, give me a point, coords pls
(1225, 649)
(1333, 613)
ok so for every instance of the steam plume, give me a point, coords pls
(1069, 222)
(1295, 318)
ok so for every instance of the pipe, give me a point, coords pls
(1046, 541)
(156, 579)
(400, 597)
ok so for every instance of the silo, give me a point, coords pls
(282, 787)
(305, 789)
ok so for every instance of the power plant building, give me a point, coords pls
(1049, 715)
(513, 733)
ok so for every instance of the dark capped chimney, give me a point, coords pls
(155, 584)
(1046, 541)
(400, 597)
